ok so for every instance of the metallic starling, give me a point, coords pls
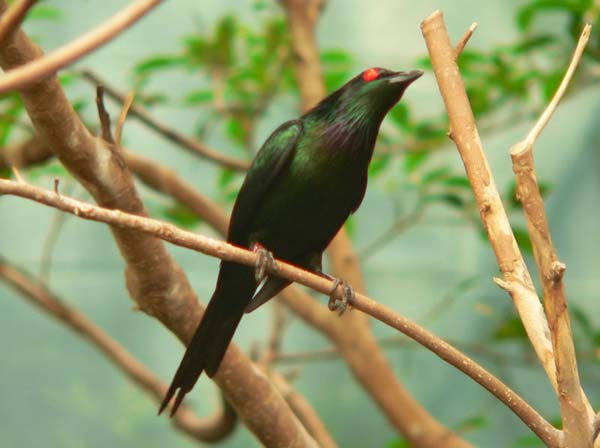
(305, 181)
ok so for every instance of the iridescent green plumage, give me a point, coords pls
(305, 181)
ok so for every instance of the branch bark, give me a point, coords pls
(10, 21)
(495, 221)
(576, 412)
(142, 114)
(211, 429)
(351, 332)
(42, 68)
(228, 252)
(154, 280)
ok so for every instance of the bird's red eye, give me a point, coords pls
(370, 75)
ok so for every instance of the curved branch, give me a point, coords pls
(493, 215)
(210, 429)
(42, 68)
(142, 114)
(13, 17)
(153, 278)
(576, 412)
(228, 252)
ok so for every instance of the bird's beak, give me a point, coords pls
(404, 77)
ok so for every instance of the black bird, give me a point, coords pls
(305, 181)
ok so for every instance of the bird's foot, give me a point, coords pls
(335, 304)
(264, 262)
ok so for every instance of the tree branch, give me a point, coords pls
(142, 114)
(211, 429)
(351, 333)
(577, 414)
(157, 284)
(228, 252)
(11, 20)
(42, 68)
(495, 221)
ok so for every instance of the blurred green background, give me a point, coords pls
(417, 231)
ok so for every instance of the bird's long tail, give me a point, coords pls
(234, 290)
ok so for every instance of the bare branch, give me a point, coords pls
(495, 221)
(464, 40)
(42, 68)
(211, 429)
(562, 88)
(142, 114)
(12, 18)
(224, 251)
(304, 411)
(103, 116)
(577, 414)
(153, 278)
(351, 333)
(122, 117)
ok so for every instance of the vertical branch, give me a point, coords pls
(210, 429)
(516, 278)
(576, 412)
(351, 332)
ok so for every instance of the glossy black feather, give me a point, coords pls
(305, 181)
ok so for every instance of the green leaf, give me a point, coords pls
(235, 131)
(583, 322)
(413, 160)
(398, 443)
(510, 329)
(180, 215)
(51, 169)
(44, 12)
(399, 115)
(378, 164)
(435, 175)
(471, 424)
(198, 97)
(155, 63)
(523, 240)
(225, 178)
(450, 199)
(457, 181)
(336, 56)
(350, 226)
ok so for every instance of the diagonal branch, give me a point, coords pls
(577, 414)
(351, 333)
(211, 429)
(10, 21)
(495, 221)
(44, 67)
(154, 280)
(228, 252)
(142, 114)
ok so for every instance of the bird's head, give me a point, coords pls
(366, 98)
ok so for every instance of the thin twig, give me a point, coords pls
(576, 412)
(211, 429)
(460, 46)
(52, 234)
(171, 134)
(545, 117)
(224, 251)
(48, 65)
(493, 215)
(103, 115)
(122, 117)
(12, 18)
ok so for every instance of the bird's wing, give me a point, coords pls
(270, 162)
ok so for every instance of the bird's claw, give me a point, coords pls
(348, 295)
(264, 262)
